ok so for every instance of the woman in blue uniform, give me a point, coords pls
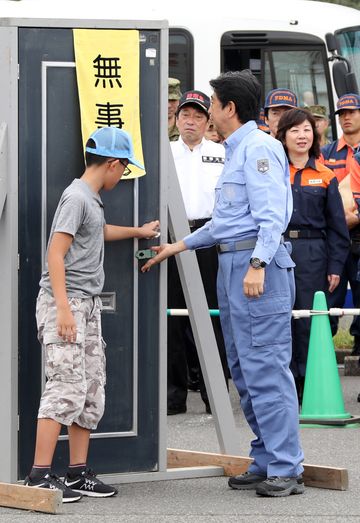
(317, 228)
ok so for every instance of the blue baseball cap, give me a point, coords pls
(113, 143)
(281, 97)
(348, 101)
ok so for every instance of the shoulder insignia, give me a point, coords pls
(263, 165)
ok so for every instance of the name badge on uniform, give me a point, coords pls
(212, 159)
(263, 165)
(316, 181)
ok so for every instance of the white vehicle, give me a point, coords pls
(281, 41)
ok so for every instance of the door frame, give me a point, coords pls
(9, 231)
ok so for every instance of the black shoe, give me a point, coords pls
(177, 409)
(299, 383)
(89, 485)
(358, 398)
(54, 482)
(246, 481)
(207, 408)
(193, 385)
(277, 487)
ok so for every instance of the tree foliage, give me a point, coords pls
(348, 3)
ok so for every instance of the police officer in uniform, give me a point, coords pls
(199, 163)
(173, 103)
(253, 205)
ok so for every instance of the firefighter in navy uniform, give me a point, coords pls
(277, 102)
(317, 229)
(339, 157)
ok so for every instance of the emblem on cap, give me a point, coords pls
(263, 165)
(348, 101)
(281, 97)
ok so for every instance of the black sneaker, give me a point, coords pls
(246, 481)
(89, 485)
(277, 487)
(54, 482)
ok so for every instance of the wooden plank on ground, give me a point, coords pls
(30, 498)
(314, 475)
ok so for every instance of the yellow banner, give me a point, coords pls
(107, 70)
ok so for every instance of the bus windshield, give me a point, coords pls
(349, 47)
(302, 71)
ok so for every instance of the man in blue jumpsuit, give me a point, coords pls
(253, 205)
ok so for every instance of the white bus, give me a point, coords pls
(281, 41)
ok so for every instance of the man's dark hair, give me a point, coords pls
(242, 88)
(91, 158)
(296, 117)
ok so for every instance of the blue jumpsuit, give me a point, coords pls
(254, 202)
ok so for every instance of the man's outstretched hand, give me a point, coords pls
(163, 251)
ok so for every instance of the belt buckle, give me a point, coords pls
(294, 234)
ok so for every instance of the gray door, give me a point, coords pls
(50, 156)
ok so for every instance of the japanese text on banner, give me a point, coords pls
(107, 70)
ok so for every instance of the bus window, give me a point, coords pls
(238, 59)
(349, 47)
(302, 71)
(296, 61)
(181, 58)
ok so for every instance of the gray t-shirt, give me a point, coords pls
(80, 212)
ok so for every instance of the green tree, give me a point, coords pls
(349, 3)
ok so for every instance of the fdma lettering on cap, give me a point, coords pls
(113, 143)
(195, 98)
(348, 101)
(281, 97)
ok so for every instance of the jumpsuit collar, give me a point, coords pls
(235, 138)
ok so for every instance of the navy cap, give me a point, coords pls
(195, 98)
(348, 101)
(113, 143)
(281, 97)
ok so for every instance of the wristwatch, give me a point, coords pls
(256, 263)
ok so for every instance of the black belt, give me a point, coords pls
(196, 224)
(295, 234)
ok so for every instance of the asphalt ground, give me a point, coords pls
(210, 499)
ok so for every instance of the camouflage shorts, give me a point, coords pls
(74, 391)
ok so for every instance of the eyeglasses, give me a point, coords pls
(127, 171)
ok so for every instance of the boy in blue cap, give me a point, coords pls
(277, 102)
(68, 315)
